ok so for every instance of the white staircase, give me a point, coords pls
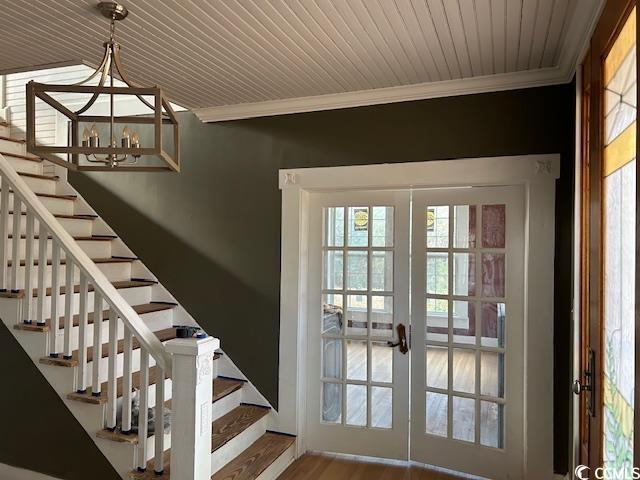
(98, 324)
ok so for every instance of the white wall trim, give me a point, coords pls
(536, 172)
(7, 472)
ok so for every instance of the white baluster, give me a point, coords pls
(4, 233)
(42, 274)
(54, 323)
(81, 370)
(69, 291)
(158, 466)
(143, 417)
(112, 394)
(97, 343)
(27, 314)
(126, 380)
(15, 246)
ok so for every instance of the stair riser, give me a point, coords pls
(113, 271)
(57, 206)
(226, 404)
(24, 166)
(12, 147)
(237, 445)
(94, 249)
(40, 185)
(133, 296)
(76, 227)
(155, 321)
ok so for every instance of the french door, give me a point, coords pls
(415, 333)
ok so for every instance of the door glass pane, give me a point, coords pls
(334, 227)
(382, 271)
(436, 413)
(332, 357)
(464, 322)
(493, 324)
(438, 273)
(357, 314)
(437, 367)
(332, 313)
(381, 407)
(356, 270)
(491, 424)
(493, 275)
(464, 274)
(492, 374)
(464, 370)
(332, 402)
(381, 363)
(382, 316)
(619, 216)
(464, 419)
(358, 227)
(437, 319)
(356, 360)
(464, 226)
(493, 226)
(356, 405)
(437, 226)
(382, 228)
(332, 270)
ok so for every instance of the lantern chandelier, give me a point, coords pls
(125, 145)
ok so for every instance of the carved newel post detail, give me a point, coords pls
(192, 397)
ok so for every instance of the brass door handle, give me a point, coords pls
(402, 340)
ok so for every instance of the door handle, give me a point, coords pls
(402, 340)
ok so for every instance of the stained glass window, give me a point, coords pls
(619, 246)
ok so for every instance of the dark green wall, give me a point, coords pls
(38, 431)
(212, 233)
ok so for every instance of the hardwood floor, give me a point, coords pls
(330, 467)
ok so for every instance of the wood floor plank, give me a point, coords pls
(255, 459)
(235, 422)
(329, 467)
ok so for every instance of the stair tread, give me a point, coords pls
(256, 458)
(12, 139)
(81, 238)
(139, 309)
(22, 157)
(163, 335)
(55, 178)
(223, 430)
(83, 216)
(69, 197)
(23, 262)
(222, 387)
(117, 285)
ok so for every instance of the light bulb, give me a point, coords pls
(125, 132)
(85, 135)
(94, 130)
(135, 137)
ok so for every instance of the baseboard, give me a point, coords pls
(7, 472)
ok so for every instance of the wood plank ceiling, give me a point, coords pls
(234, 58)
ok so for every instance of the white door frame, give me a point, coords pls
(537, 173)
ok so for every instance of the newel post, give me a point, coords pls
(192, 397)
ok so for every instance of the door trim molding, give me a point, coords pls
(537, 173)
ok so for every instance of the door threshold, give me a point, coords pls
(397, 463)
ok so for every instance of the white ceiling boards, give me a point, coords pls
(229, 59)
